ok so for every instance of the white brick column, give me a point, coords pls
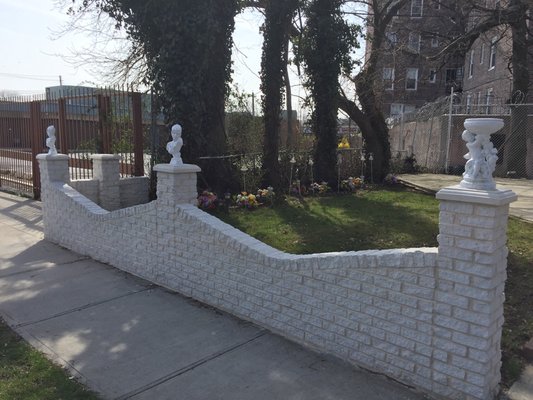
(54, 168)
(176, 184)
(469, 297)
(106, 170)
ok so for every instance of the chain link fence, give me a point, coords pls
(429, 139)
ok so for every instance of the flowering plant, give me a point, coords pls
(246, 200)
(320, 188)
(351, 184)
(296, 188)
(266, 195)
(207, 200)
(390, 180)
(344, 144)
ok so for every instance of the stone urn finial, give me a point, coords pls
(51, 140)
(481, 156)
(174, 147)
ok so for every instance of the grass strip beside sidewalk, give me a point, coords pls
(26, 374)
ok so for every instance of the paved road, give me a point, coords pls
(128, 339)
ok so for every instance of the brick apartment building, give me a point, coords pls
(488, 78)
(412, 75)
(409, 78)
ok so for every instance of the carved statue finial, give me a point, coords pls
(174, 147)
(481, 156)
(51, 140)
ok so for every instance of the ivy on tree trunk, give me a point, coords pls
(276, 29)
(324, 48)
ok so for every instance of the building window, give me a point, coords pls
(468, 103)
(432, 75)
(396, 109)
(492, 56)
(411, 79)
(392, 39)
(482, 54)
(436, 4)
(414, 42)
(435, 40)
(388, 78)
(454, 77)
(489, 101)
(416, 8)
(471, 65)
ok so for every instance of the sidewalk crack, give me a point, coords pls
(190, 367)
(44, 267)
(84, 307)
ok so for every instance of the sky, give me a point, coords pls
(34, 56)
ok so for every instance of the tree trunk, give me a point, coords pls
(219, 173)
(291, 144)
(372, 123)
(278, 18)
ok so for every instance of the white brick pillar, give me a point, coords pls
(176, 184)
(471, 274)
(54, 168)
(106, 170)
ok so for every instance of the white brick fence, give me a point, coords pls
(427, 317)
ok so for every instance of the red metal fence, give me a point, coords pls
(87, 120)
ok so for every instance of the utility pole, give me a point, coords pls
(449, 136)
(253, 104)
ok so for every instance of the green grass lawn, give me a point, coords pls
(25, 374)
(370, 219)
(392, 218)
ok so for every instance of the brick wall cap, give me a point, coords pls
(177, 169)
(48, 157)
(487, 197)
(106, 157)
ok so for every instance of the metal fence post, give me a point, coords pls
(449, 133)
(62, 125)
(138, 156)
(104, 113)
(36, 146)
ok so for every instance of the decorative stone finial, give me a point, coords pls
(482, 155)
(51, 140)
(174, 147)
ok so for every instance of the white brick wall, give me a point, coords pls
(107, 189)
(88, 187)
(427, 317)
(134, 191)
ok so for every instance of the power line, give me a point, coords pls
(48, 78)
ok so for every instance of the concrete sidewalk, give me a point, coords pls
(128, 339)
(522, 208)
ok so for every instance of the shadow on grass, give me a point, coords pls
(359, 223)
(370, 220)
